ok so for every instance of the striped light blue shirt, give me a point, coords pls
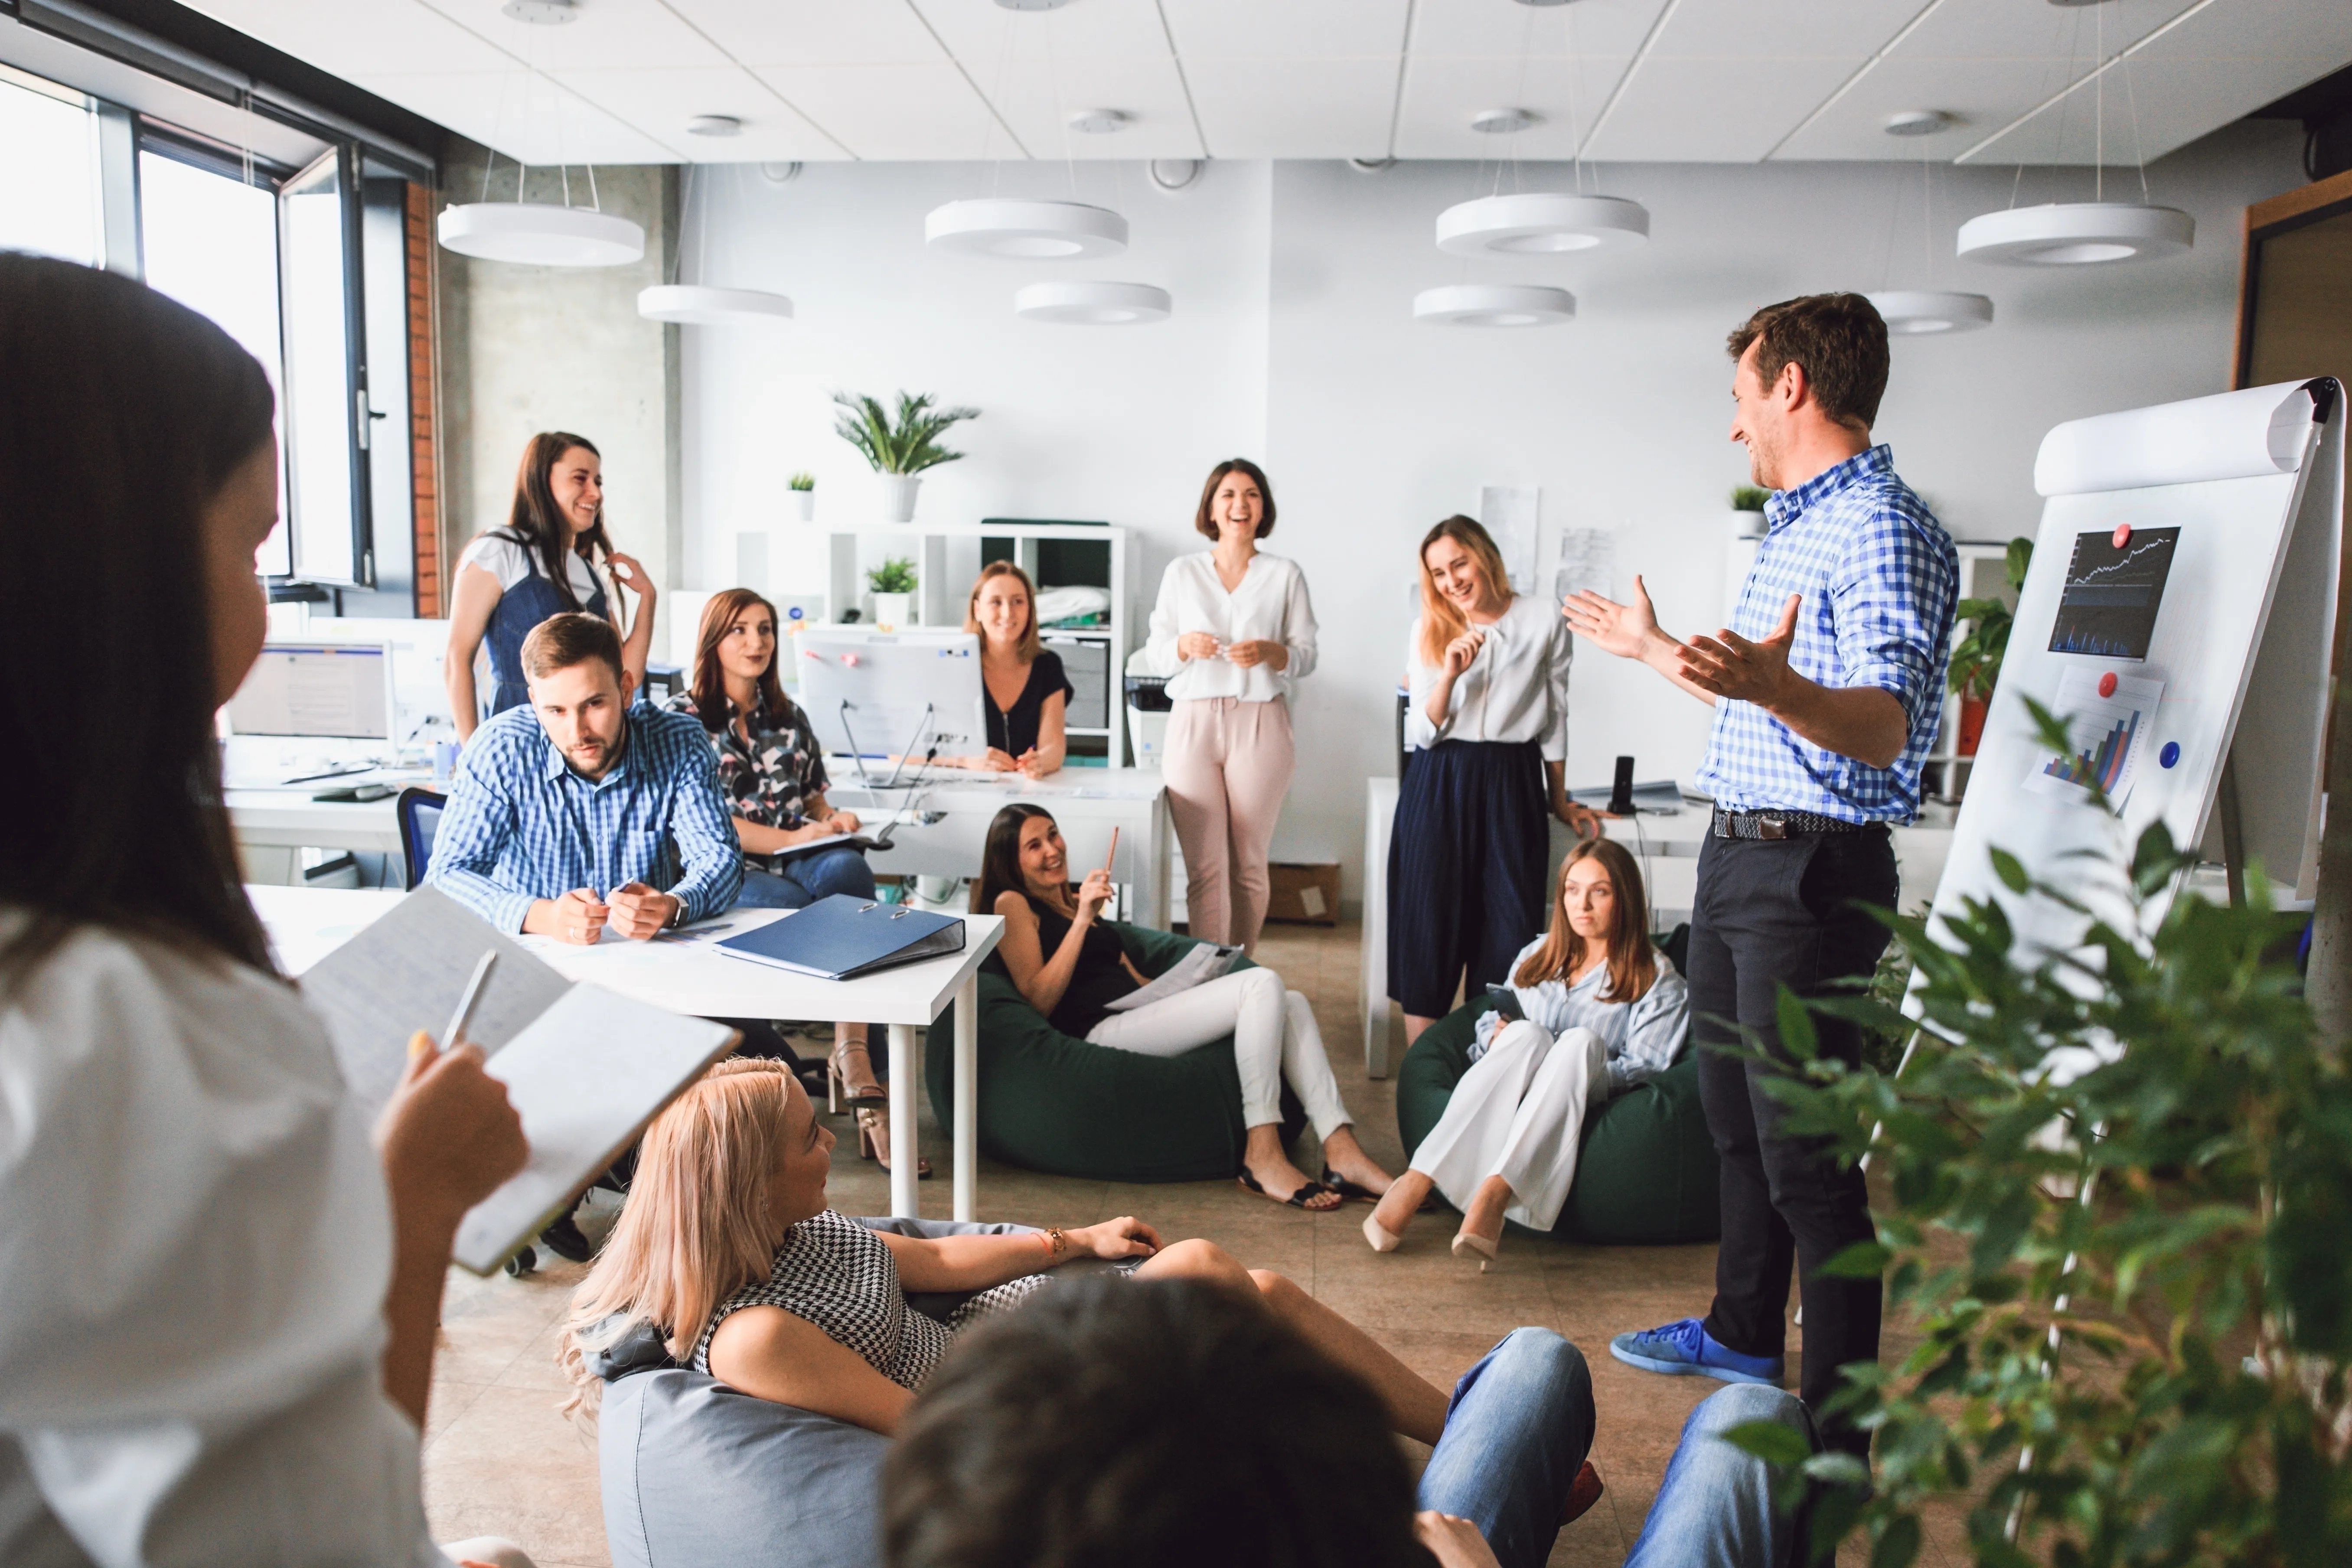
(1880, 580)
(522, 825)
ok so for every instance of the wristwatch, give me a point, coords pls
(677, 916)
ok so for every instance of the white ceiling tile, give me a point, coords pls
(2217, 63)
(533, 119)
(981, 32)
(1763, 33)
(1442, 93)
(380, 35)
(814, 32)
(1711, 109)
(2035, 30)
(1295, 108)
(902, 111)
(628, 32)
(1037, 101)
(1483, 27)
(662, 102)
(1279, 29)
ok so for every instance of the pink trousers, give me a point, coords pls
(1229, 764)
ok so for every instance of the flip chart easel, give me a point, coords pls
(2179, 614)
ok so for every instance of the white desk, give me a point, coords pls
(685, 975)
(271, 825)
(1086, 804)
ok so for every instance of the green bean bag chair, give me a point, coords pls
(1052, 1102)
(1647, 1170)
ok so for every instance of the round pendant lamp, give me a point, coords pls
(2077, 233)
(700, 305)
(1536, 224)
(1910, 313)
(1026, 231)
(1494, 305)
(541, 234)
(1093, 304)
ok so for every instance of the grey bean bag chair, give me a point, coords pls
(696, 1475)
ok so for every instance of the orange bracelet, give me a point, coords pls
(1056, 1242)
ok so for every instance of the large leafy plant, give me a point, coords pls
(2131, 1280)
(1977, 657)
(908, 444)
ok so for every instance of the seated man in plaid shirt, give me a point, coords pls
(580, 811)
(1827, 688)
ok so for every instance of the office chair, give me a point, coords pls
(419, 811)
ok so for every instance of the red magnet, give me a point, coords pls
(852, 661)
(2123, 534)
(2107, 684)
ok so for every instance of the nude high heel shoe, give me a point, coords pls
(849, 1075)
(1466, 1245)
(1382, 1238)
(874, 1140)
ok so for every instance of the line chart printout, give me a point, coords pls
(2114, 584)
(2108, 717)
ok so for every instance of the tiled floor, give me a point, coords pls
(500, 1458)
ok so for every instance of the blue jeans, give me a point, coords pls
(805, 878)
(1716, 1505)
(1517, 1432)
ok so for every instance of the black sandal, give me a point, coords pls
(1297, 1200)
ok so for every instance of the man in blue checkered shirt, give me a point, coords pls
(581, 812)
(1827, 688)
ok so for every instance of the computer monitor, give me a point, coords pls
(318, 689)
(877, 694)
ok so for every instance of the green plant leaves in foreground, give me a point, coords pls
(2126, 1287)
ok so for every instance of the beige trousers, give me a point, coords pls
(1229, 765)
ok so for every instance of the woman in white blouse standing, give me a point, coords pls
(1233, 630)
(1487, 727)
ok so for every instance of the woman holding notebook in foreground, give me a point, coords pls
(1075, 971)
(218, 1293)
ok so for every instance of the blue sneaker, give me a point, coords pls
(1684, 1348)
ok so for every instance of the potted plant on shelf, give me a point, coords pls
(900, 450)
(1976, 658)
(893, 582)
(1748, 509)
(804, 487)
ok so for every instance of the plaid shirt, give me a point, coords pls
(1880, 581)
(522, 825)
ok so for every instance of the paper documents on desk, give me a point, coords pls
(586, 1067)
(1203, 963)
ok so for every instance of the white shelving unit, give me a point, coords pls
(797, 561)
(1984, 574)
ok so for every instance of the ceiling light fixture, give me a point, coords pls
(700, 305)
(1504, 122)
(1032, 4)
(1028, 231)
(546, 13)
(1919, 122)
(2076, 234)
(541, 234)
(1093, 304)
(1537, 223)
(1175, 173)
(1101, 121)
(1916, 314)
(714, 125)
(1494, 305)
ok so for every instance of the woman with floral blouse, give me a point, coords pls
(772, 771)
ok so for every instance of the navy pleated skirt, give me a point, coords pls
(1466, 864)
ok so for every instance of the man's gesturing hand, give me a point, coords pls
(1621, 629)
(1731, 666)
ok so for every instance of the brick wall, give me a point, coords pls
(423, 406)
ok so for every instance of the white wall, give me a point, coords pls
(1293, 339)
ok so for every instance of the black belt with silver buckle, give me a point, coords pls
(1775, 825)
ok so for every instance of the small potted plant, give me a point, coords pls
(893, 582)
(1976, 658)
(1747, 511)
(803, 485)
(900, 449)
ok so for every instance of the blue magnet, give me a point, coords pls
(2170, 755)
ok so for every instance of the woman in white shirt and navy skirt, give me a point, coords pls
(1488, 733)
(1233, 630)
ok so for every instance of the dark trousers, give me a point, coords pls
(1466, 870)
(1772, 913)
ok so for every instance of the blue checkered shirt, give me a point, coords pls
(522, 825)
(1880, 581)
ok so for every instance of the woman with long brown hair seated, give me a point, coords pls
(1028, 689)
(727, 1246)
(1598, 1009)
(1072, 969)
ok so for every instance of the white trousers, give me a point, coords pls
(1274, 1034)
(1518, 1113)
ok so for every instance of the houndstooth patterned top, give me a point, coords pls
(840, 1276)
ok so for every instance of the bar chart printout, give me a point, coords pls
(2112, 591)
(2109, 734)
